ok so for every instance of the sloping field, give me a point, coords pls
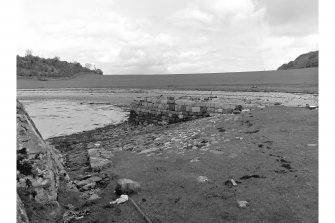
(299, 80)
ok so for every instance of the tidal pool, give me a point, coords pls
(63, 117)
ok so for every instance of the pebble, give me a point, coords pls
(202, 179)
(242, 204)
(196, 159)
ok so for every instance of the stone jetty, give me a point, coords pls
(164, 110)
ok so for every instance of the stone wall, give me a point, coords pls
(167, 110)
(39, 170)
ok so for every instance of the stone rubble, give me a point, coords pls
(40, 167)
(99, 159)
(167, 110)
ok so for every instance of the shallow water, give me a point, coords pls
(63, 117)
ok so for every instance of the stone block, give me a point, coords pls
(195, 109)
(211, 110)
(171, 107)
(99, 159)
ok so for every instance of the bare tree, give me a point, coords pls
(88, 65)
(28, 52)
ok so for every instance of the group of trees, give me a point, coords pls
(31, 66)
(306, 60)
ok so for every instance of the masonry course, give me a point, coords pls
(164, 110)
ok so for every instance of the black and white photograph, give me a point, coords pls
(157, 111)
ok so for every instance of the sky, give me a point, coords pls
(170, 36)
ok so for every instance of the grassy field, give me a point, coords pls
(299, 80)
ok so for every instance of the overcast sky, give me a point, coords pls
(170, 36)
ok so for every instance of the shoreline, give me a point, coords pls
(231, 88)
(122, 98)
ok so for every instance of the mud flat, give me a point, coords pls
(124, 97)
(296, 80)
(271, 152)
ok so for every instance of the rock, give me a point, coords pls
(236, 112)
(196, 159)
(88, 186)
(233, 182)
(311, 107)
(202, 179)
(98, 164)
(71, 186)
(99, 159)
(95, 179)
(242, 204)
(83, 177)
(71, 214)
(148, 150)
(126, 186)
(123, 198)
(82, 183)
(229, 110)
(94, 197)
(238, 107)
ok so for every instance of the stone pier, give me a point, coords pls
(165, 110)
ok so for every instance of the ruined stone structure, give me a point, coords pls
(167, 110)
(39, 171)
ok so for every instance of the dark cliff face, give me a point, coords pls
(39, 170)
(310, 59)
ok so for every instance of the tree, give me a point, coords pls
(98, 71)
(28, 52)
(88, 65)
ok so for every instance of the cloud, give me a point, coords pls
(191, 15)
(287, 17)
(193, 36)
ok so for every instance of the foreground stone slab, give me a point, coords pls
(99, 159)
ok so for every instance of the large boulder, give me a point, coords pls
(39, 167)
(99, 158)
(127, 186)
